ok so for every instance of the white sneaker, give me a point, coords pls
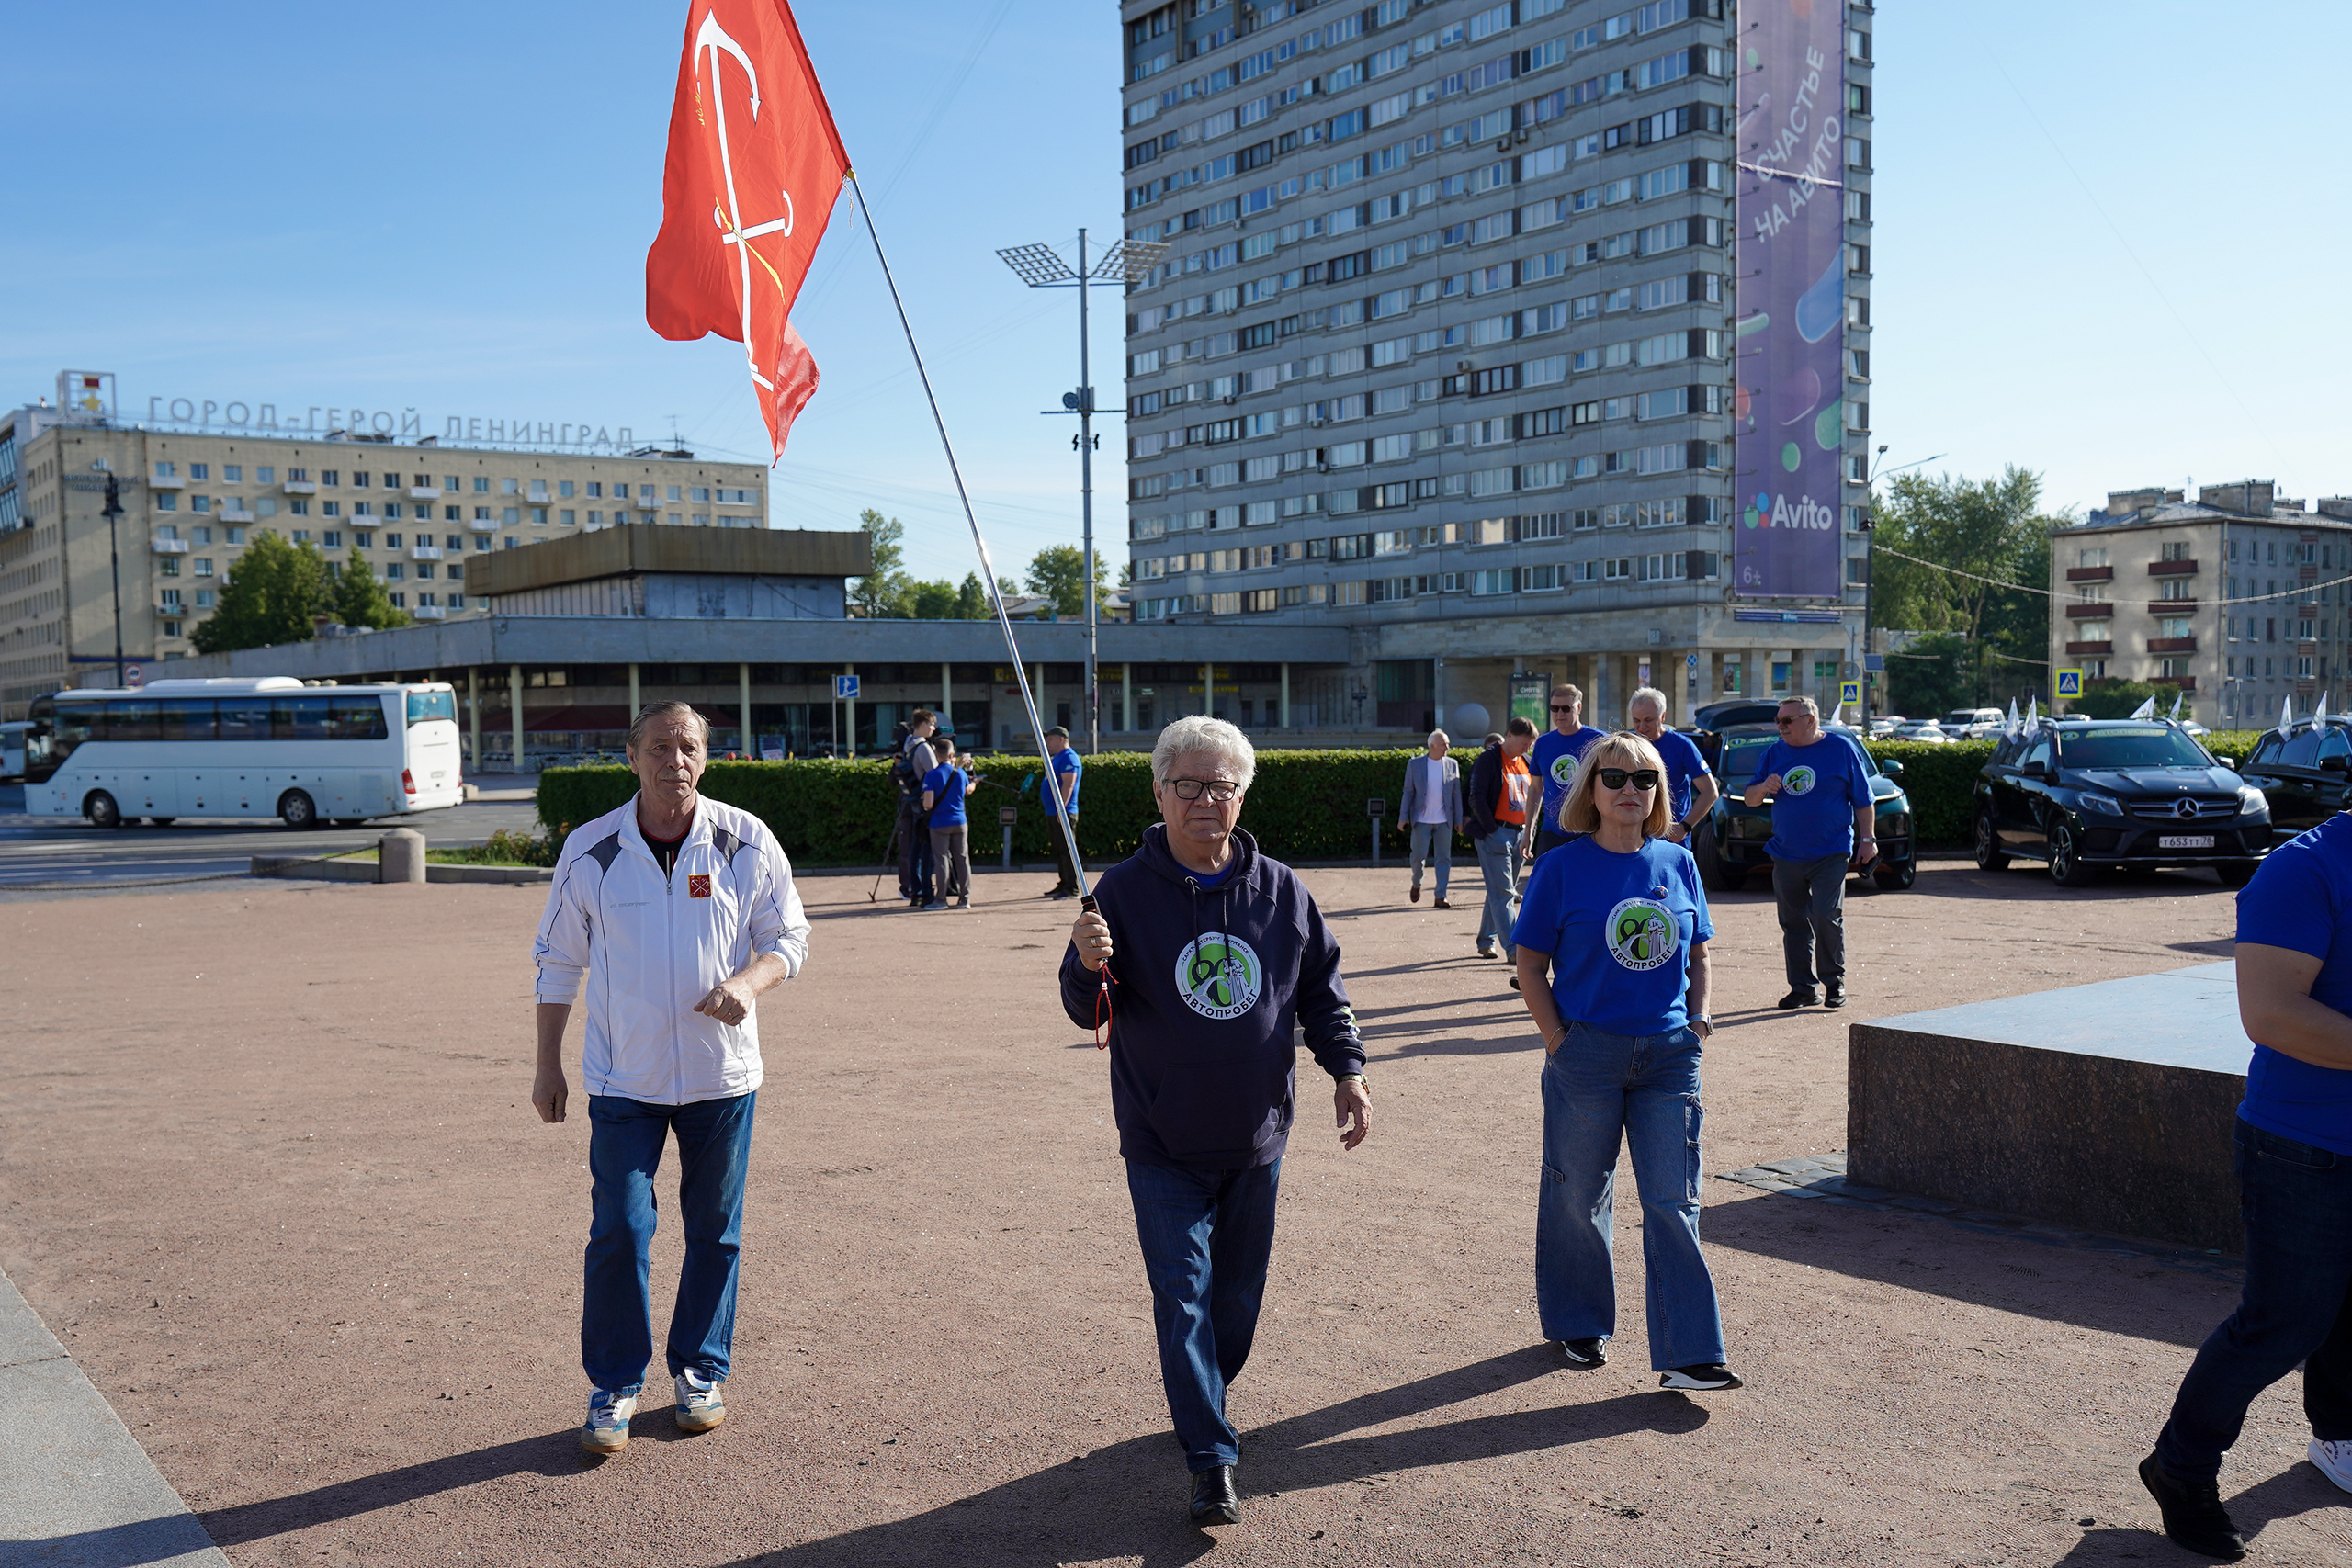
(701, 1403)
(2334, 1460)
(608, 1428)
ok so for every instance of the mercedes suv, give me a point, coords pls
(2088, 795)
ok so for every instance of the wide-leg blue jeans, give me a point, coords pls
(1498, 865)
(1599, 1089)
(1206, 1238)
(2296, 1200)
(625, 1142)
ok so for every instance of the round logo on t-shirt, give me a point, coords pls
(1219, 975)
(1641, 933)
(1563, 770)
(1798, 780)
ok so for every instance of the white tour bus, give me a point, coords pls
(242, 747)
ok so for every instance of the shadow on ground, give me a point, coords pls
(2288, 1495)
(2111, 1293)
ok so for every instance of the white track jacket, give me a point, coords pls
(650, 947)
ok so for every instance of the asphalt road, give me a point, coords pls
(41, 852)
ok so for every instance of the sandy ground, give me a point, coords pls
(268, 1168)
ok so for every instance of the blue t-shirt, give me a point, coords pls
(1619, 927)
(1553, 759)
(2302, 900)
(1683, 763)
(946, 784)
(1821, 786)
(1065, 760)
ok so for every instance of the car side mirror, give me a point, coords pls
(2035, 770)
(2332, 764)
(1891, 767)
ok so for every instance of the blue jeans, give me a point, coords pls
(1498, 864)
(1433, 840)
(625, 1139)
(1643, 1088)
(1206, 1236)
(2297, 1203)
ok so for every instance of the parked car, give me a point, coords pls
(1974, 724)
(1884, 724)
(2090, 795)
(1730, 843)
(1709, 723)
(2302, 773)
(1926, 729)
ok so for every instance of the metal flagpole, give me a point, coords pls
(988, 568)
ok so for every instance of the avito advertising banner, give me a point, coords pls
(1790, 339)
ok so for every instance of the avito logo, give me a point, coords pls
(1770, 510)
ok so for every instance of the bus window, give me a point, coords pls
(427, 705)
(77, 720)
(134, 721)
(298, 719)
(244, 718)
(189, 718)
(357, 718)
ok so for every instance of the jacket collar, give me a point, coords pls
(633, 831)
(1154, 852)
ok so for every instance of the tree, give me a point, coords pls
(271, 594)
(1057, 572)
(972, 600)
(361, 601)
(1931, 677)
(932, 601)
(2120, 699)
(881, 594)
(1993, 534)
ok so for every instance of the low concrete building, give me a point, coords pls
(2238, 597)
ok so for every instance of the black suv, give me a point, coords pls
(2302, 771)
(2088, 794)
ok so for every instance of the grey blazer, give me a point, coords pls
(1419, 786)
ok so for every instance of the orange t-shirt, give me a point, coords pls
(1511, 809)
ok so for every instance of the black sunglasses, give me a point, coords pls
(1564, 707)
(1616, 778)
(1786, 719)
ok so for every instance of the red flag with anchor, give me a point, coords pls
(754, 169)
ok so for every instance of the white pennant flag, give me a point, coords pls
(2013, 715)
(2145, 710)
(2033, 712)
(2286, 713)
(2176, 704)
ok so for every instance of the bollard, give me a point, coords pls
(1008, 815)
(400, 856)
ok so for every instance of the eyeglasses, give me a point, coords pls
(1219, 791)
(1564, 707)
(1617, 778)
(1786, 719)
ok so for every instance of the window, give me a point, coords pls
(481, 484)
(673, 492)
(563, 487)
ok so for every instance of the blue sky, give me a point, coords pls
(2105, 248)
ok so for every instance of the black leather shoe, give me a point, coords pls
(1798, 999)
(2194, 1516)
(1215, 1502)
(1584, 1355)
(1836, 998)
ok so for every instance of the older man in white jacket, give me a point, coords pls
(678, 912)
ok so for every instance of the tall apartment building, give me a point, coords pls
(1443, 345)
(2239, 597)
(193, 501)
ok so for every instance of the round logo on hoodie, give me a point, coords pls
(1220, 975)
(1641, 933)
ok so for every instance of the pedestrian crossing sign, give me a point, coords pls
(2070, 682)
(1850, 693)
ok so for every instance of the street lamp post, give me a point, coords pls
(1040, 266)
(112, 512)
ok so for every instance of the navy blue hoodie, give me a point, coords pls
(1207, 986)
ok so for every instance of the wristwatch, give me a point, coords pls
(1709, 1024)
(1355, 1078)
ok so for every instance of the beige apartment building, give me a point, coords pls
(2238, 597)
(414, 509)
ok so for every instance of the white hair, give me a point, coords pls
(1805, 703)
(1441, 735)
(1646, 694)
(1196, 734)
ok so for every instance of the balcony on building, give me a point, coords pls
(2095, 650)
(167, 481)
(2186, 683)
(2098, 612)
(2090, 574)
(300, 487)
(168, 547)
(2172, 645)
(2172, 606)
(424, 552)
(424, 492)
(2172, 568)
(429, 613)
(236, 514)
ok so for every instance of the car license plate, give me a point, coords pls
(2186, 841)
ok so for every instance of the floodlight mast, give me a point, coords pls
(1039, 266)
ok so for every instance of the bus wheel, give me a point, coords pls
(101, 810)
(297, 810)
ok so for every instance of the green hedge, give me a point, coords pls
(1305, 806)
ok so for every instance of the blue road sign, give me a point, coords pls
(844, 687)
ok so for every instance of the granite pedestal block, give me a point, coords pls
(2106, 1107)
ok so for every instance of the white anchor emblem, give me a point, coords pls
(710, 38)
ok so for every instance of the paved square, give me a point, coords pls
(268, 1169)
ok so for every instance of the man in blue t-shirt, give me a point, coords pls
(2294, 1167)
(942, 802)
(1554, 761)
(1060, 788)
(1822, 821)
(1690, 782)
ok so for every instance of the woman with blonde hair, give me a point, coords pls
(1612, 939)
